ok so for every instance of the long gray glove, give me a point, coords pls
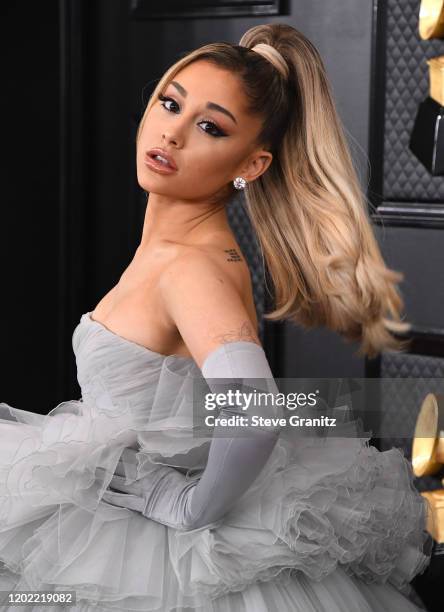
(234, 463)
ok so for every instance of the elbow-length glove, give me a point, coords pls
(234, 463)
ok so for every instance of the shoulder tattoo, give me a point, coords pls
(232, 255)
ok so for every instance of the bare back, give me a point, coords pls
(134, 308)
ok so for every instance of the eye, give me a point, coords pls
(165, 99)
(214, 131)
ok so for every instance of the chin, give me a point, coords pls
(153, 187)
(147, 183)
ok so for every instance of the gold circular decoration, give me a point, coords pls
(431, 19)
(428, 441)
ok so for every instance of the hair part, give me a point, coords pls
(308, 209)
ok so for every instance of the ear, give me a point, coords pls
(256, 165)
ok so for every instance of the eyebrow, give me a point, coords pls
(211, 105)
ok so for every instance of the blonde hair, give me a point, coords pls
(307, 209)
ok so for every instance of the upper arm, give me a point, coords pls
(205, 305)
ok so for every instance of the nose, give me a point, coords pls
(171, 138)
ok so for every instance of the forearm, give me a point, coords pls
(216, 493)
(233, 463)
(236, 456)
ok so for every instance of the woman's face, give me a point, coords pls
(211, 145)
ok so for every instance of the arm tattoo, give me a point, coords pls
(246, 333)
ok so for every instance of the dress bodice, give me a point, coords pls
(154, 393)
(130, 370)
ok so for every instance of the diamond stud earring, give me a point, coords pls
(239, 182)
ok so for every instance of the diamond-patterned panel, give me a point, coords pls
(407, 84)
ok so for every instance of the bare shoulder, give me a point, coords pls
(227, 260)
(204, 298)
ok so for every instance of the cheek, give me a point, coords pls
(207, 171)
(151, 130)
(215, 160)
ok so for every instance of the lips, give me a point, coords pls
(153, 152)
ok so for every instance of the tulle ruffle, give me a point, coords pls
(329, 523)
(343, 504)
(337, 592)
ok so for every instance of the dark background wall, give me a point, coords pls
(29, 227)
(77, 76)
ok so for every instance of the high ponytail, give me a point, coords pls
(308, 210)
(311, 217)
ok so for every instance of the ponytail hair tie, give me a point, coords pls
(273, 56)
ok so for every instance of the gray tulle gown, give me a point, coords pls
(329, 525)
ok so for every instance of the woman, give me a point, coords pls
(99, 495)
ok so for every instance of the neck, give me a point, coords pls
(169, 220)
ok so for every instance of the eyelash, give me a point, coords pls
(219, 134)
